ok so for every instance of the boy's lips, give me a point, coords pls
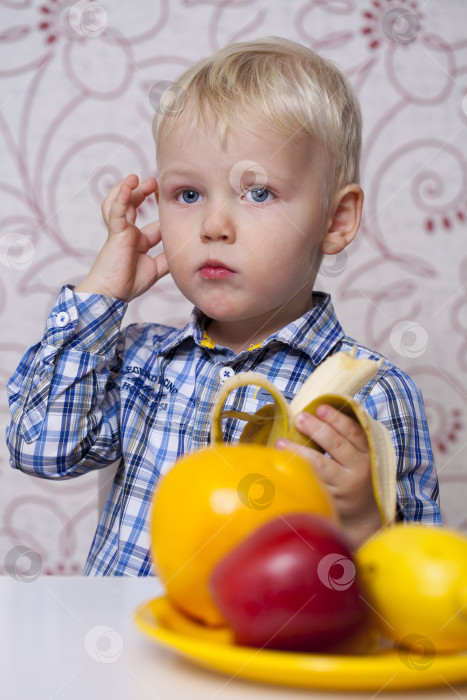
(214, 269)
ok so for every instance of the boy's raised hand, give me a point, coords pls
(345, 469)
(123, 269)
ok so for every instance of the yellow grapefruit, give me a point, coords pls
(210, 500)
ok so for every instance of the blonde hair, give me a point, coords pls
(280, 82)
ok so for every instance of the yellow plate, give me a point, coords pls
(214, 648)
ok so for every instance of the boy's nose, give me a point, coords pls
(218, 225)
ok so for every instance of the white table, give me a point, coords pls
(67, 638)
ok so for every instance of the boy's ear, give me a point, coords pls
(344, 219)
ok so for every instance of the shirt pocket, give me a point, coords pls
(155, 421)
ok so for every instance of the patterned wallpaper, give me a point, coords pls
(78, 84)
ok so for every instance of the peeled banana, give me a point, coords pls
(335, 381)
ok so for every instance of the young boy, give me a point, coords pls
(258, 157)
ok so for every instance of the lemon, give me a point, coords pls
(210, 500)
(416, 581)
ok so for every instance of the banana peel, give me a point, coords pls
(334, 382)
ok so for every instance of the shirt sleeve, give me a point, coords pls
(396, 401)
(64, 396)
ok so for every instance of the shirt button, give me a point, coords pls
(62, 319)
(225, 373)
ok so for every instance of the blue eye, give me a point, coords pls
(259, 195)
(188, 196)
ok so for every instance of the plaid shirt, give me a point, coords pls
(89, 394)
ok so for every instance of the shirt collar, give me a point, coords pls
(193, 330)
(315, 333)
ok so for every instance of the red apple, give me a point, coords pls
(290, 585)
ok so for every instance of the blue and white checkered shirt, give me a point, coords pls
(89, 394)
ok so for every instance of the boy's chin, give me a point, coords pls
(223, 311)
(225, 317)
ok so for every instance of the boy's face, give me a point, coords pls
(242, 225)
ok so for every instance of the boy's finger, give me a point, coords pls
(151, 236)
(110, 199)
(327, 437)
(162, 265)
(143, 191)
(131, 180)
(118, 210)
(136, 193)
(345, 425)
(149, 185)
(324, 466)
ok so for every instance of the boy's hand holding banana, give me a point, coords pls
(359, 468)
